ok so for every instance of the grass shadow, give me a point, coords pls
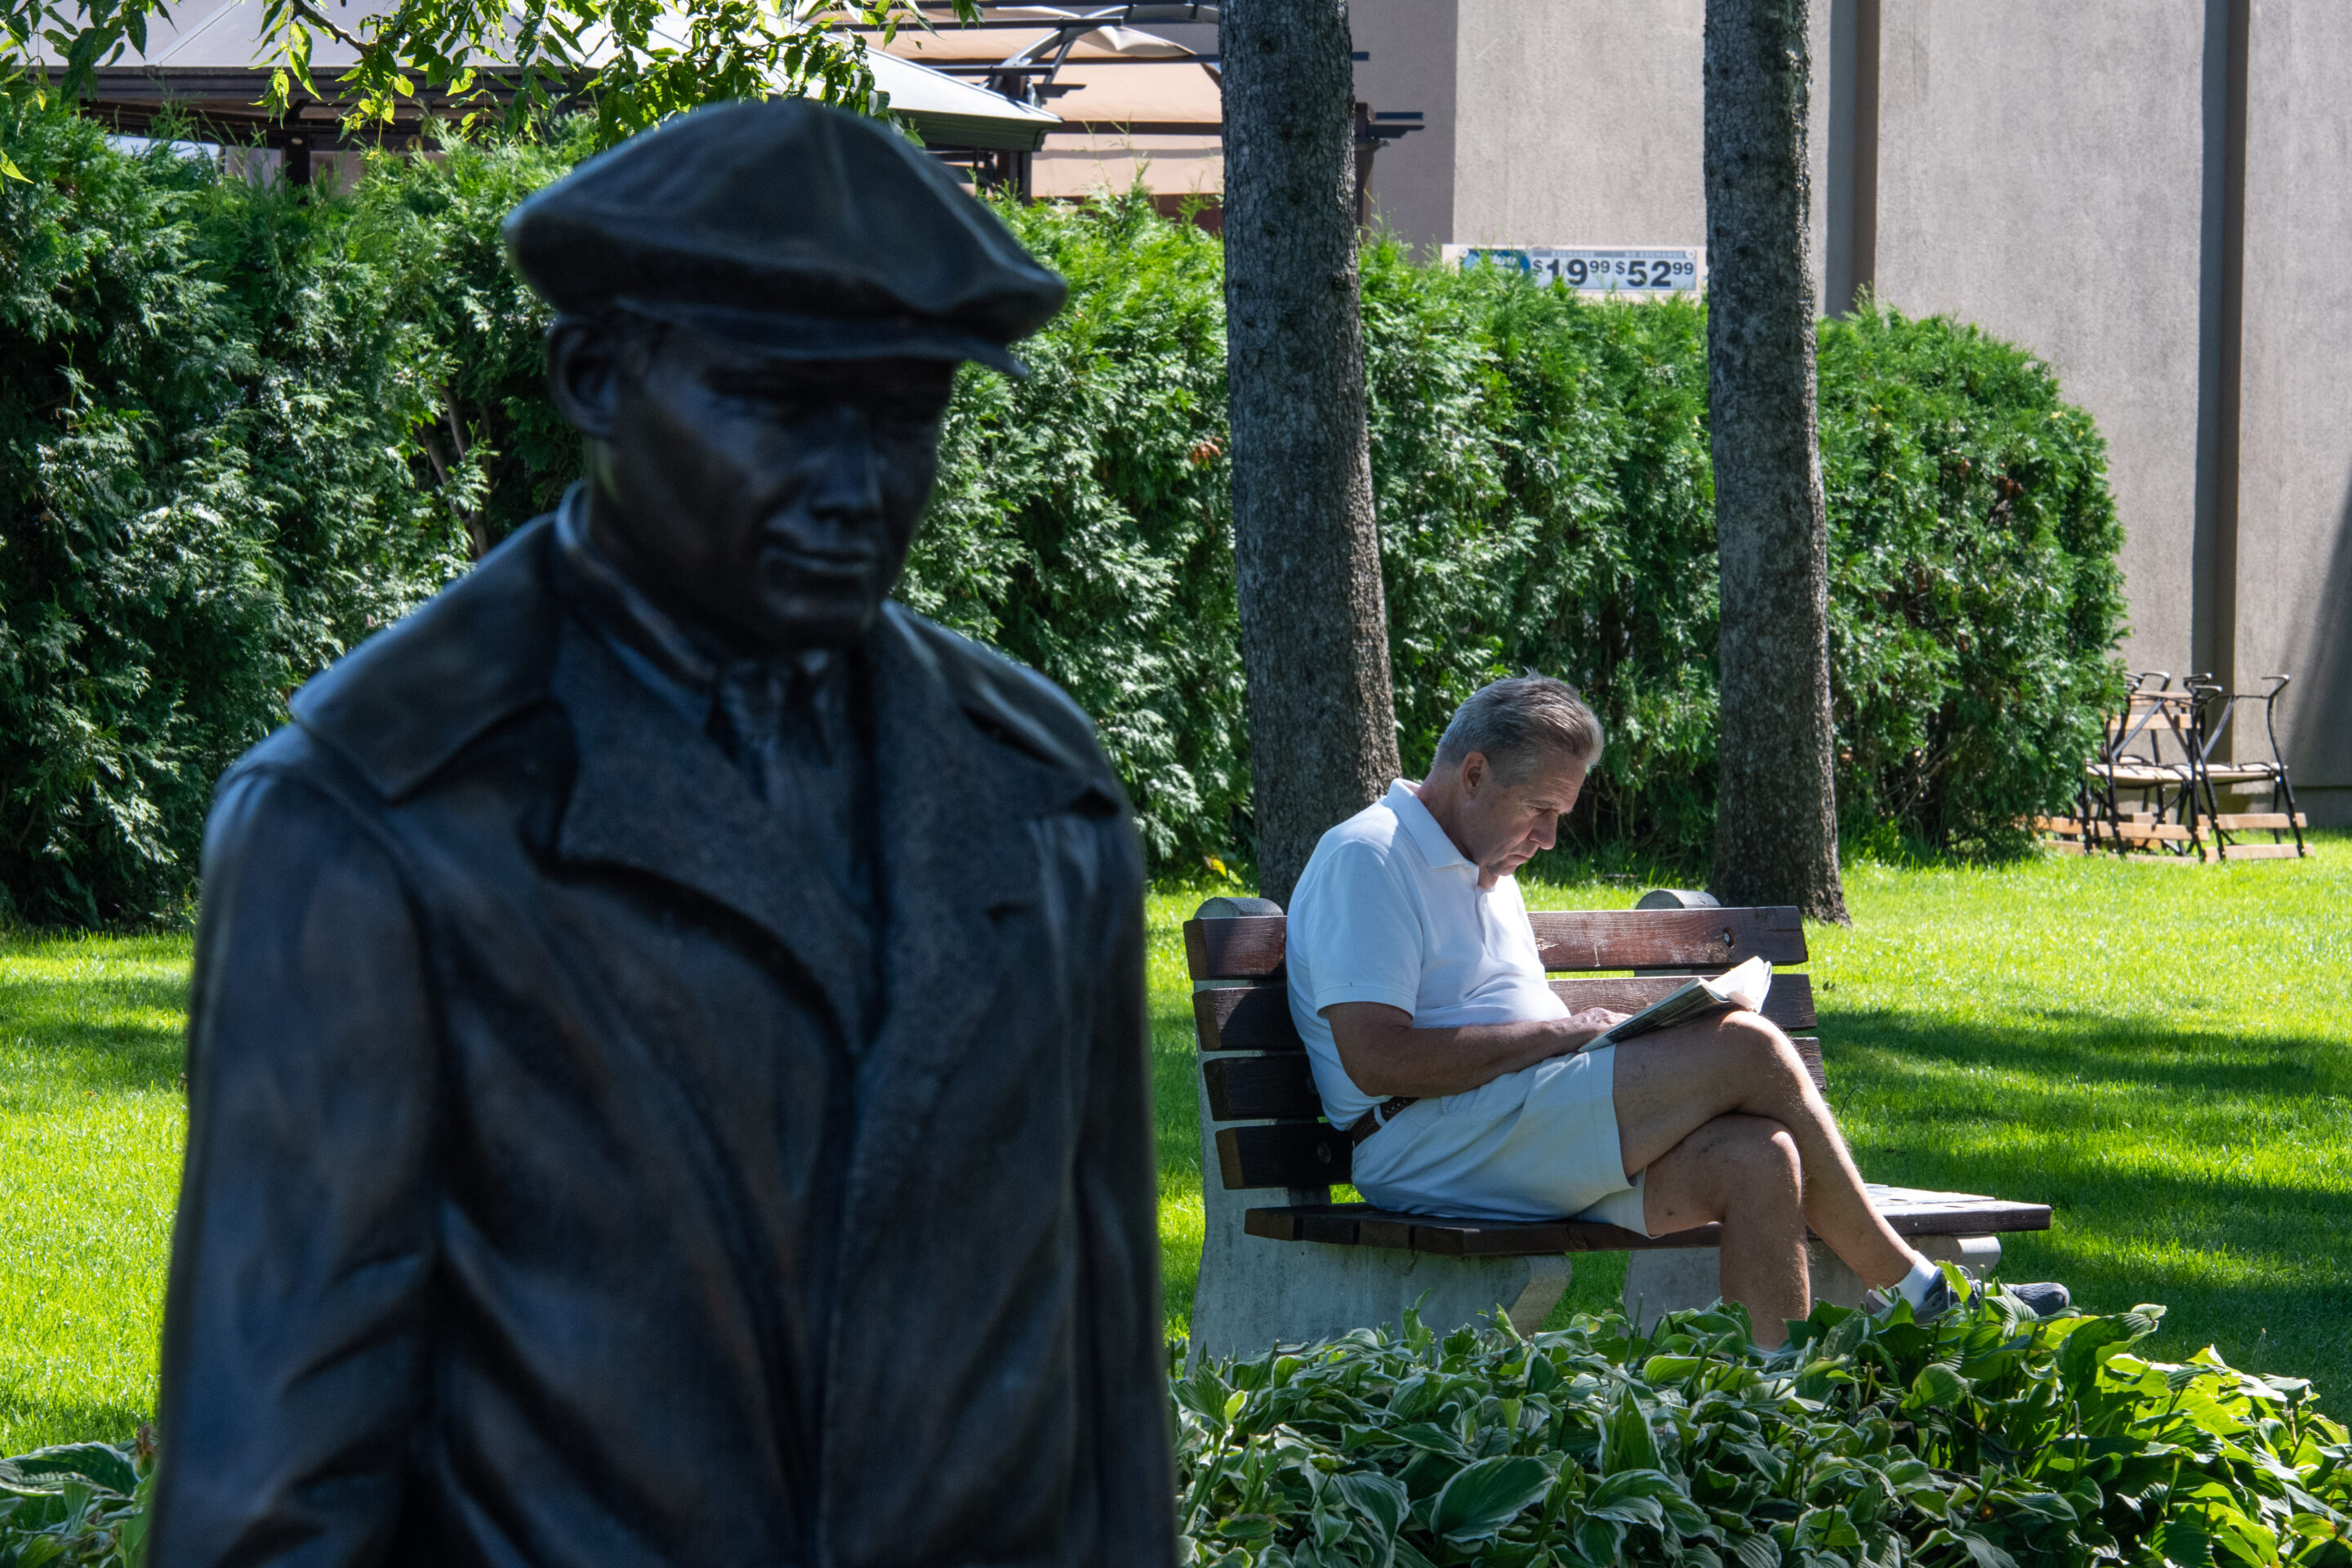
(74, 1030)
(2203, 1170)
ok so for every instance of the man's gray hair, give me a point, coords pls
(1518, 724)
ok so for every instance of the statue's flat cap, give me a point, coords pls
(791, 226)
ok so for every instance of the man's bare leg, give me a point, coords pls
(1743, 1171)
(1670, 1085)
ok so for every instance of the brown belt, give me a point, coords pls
(1380, 1116)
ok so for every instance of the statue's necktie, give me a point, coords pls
(792, 737)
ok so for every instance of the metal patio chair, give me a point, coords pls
(2153, 758)
(2216, 707)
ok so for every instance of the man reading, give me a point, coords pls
(1464, 1081)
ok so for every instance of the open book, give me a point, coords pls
(1742, 986)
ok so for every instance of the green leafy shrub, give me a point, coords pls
(1975, 1441)
(1084, 518)
(239, 428)
(1541, 466)
(1974, 589)
(77, 1504)
(1980, 1440)
(491, 426)
(206, 395)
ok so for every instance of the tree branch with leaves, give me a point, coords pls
(631, 63)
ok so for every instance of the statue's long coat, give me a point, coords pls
(536, 1208)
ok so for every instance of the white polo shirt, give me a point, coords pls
(1388, 910)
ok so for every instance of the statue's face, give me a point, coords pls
(766, 502)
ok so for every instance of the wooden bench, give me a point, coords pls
(1282, 1263)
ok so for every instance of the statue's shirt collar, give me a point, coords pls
(677, 665)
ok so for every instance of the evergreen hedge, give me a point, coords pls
(240, 427)
(218, 415)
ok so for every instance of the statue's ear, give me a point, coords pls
(583, 366)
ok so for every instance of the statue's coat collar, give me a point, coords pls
(963, 769)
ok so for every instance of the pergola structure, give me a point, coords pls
(1138, 88)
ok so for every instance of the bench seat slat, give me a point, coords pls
(1257, 1018)
(1282, 1087)
(1249, 947)
(1911, 1211)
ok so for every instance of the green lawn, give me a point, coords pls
(2164, 1054)
(91, 1126)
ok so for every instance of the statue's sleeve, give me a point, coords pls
(1119, 1187)
(293, 1363)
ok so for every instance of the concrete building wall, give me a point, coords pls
(1409, 68)
(1557, 121)
(2041, 174)
(2294, 524)
(1579, 124)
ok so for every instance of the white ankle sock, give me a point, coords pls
(1915, 1285)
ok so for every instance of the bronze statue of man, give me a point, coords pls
(667, 1059)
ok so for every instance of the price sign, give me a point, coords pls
(1594, 269)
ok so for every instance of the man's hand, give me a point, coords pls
(1594, 1021)
(1385, 1056)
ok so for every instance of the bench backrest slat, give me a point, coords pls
(1281, 1086)
(1249, 947)
(1257, 1018)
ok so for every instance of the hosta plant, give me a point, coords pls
(77, 1504)
(1980, 1440)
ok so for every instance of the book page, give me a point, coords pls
(1744, 986)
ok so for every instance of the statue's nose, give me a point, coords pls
(848, 485)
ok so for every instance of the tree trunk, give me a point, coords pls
(1776, 824)
(1314, 624)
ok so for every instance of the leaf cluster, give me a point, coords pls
(77, 1505)
(630, 63)
(1981, 1439)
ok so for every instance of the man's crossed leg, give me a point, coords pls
(1723, 1116)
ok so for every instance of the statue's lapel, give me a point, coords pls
(655, 796)
(960, 858)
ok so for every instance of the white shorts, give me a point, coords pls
(1537, 1143)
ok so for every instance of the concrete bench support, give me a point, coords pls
(1255, 1293)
